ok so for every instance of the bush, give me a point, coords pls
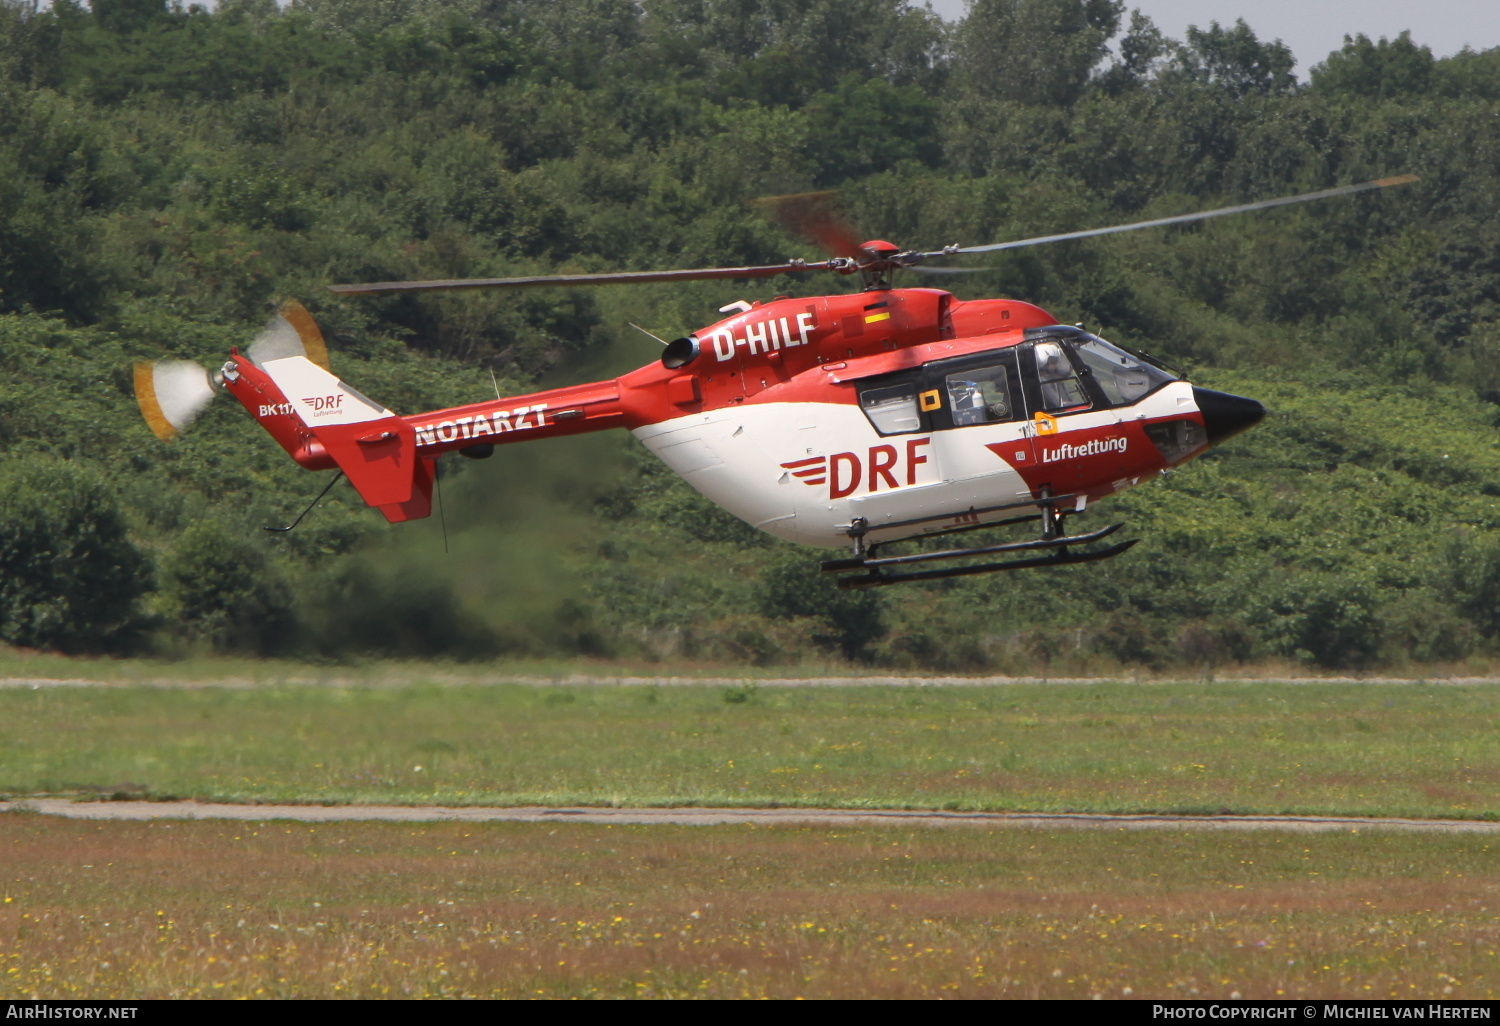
(222, 588)
(1131, 638)
(794, 587)
(1423, 625)
(400, 613)
(1473, 570)
(69, 575)
(1320, 618)
(1211, 643)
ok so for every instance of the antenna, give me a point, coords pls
(643, 331)
(437, 478)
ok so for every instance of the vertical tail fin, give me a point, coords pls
(375, 449)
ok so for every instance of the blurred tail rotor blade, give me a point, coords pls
(171, 394)
(814, 216)
(292, 332)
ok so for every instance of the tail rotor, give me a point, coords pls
(172, 393)
(292, 332)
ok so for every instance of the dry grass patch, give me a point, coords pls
(507, 910)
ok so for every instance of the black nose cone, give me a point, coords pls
(1225, 415)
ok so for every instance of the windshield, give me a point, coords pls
(1122, 377)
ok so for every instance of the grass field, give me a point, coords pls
(508, 910)
(1419, 750)
(172, 909)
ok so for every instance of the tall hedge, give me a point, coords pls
(69, 575)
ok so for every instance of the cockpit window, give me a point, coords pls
(1061, 389)
(892, 410)
(980, 395)
(1123, 378)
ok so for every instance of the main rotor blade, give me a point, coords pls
(1202, 215)
(926, 269)
(815, 216)
(622, 278)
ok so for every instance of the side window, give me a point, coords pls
(1061, 389)
(980, 395)
(893, 409)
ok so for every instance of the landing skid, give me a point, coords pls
(877, 575)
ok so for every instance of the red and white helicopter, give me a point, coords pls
(842, 421)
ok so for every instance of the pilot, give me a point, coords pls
(1059, 388)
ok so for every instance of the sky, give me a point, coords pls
(1315, 28)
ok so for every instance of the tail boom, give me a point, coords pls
(264, 401)
(574, 410)
(390, 460)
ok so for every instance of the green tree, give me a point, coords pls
(29, 38)
(1382, 70)
(784, 51)
(1034, 51)
(397, 611)
(69, 574)
(867, 126)
(1140, 51)
(123, 17)
(1470, 73)
(1234, 61)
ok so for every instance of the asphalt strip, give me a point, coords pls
(133, 810)
(582, 680)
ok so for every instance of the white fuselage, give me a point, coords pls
(804, 471)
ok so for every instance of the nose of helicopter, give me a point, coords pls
(1225, 415)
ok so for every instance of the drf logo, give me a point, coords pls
(319, 403)
(845, 472)
(323, 406)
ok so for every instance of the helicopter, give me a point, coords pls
(847, 421)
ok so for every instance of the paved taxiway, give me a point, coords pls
(144, 810)
(457, 678)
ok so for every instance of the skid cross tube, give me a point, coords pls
(863, 551)
(1060, 541)
(1060, 557)
(964, 529)
(861, 527)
